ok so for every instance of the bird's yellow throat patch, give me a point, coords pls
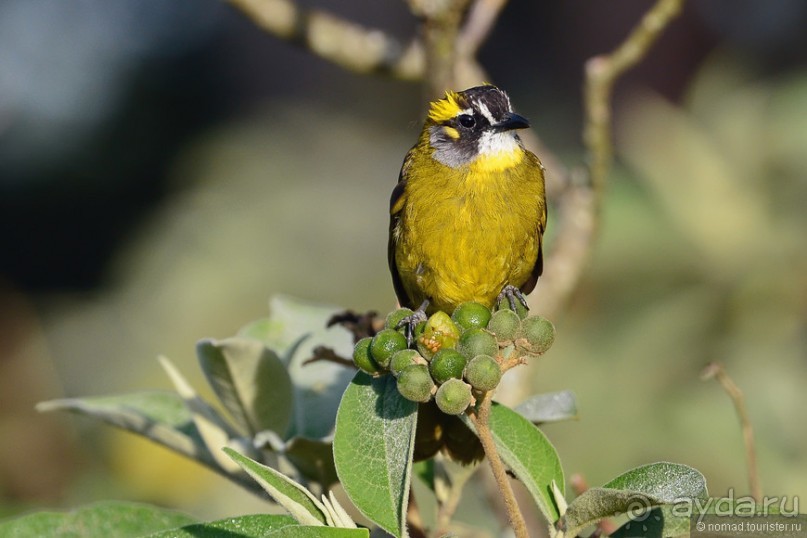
(496, 162)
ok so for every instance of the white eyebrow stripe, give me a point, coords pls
(468, 111)
(483, 108)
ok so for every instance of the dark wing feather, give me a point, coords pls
(538, 268)
(397, 198)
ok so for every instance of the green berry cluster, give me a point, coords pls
(454, 358)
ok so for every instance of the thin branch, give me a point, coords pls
(601, 73)
(343, 42)
(715, 370)
(481, 19)
(326, 354)
(481, 422)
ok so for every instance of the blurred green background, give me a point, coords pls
(165, 167)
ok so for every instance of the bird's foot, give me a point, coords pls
(511, 293)
(409, 323)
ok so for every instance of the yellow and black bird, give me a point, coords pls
(467, 219)
(468, 212)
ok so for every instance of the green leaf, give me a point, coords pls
(318, 532)
(660, 522)
(234, 527)
(159, 415)
(99, 520)
(313, 459)
(262, 330)
(635, 493)
(529, 454)
(296, 499)
(664, 481)
(293, 330)
(549, 407)
(598, 503)
(213, 429)
(373, 446)
(251, 382)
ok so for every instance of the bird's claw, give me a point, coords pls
(511, 293)
(411, 321)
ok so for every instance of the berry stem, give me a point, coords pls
(481, 419)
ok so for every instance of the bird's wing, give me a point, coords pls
(538, 268)
(396, 205)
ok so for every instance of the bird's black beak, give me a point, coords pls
(512, 121)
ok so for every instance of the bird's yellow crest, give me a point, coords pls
(446, 108)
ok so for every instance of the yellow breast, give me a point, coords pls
(466, 232)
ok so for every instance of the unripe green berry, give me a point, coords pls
(362, 358)
(471, 315)
(539, 332)
(447, 364)
(521, 310)
(419, 329)
(439, 333)
(505, 325)
(453, 397)
(475, 342)
(404, 358)
(415, 383)
(384, 345)
(395, 318)
(483, 373)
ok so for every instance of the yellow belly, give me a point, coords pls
(466, 234)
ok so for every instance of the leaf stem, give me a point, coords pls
(481, 421)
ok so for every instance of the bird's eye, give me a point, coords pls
(467, 121)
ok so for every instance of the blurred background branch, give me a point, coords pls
(482, 17)
(602, 73)
(717, 371)
(343, 42)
